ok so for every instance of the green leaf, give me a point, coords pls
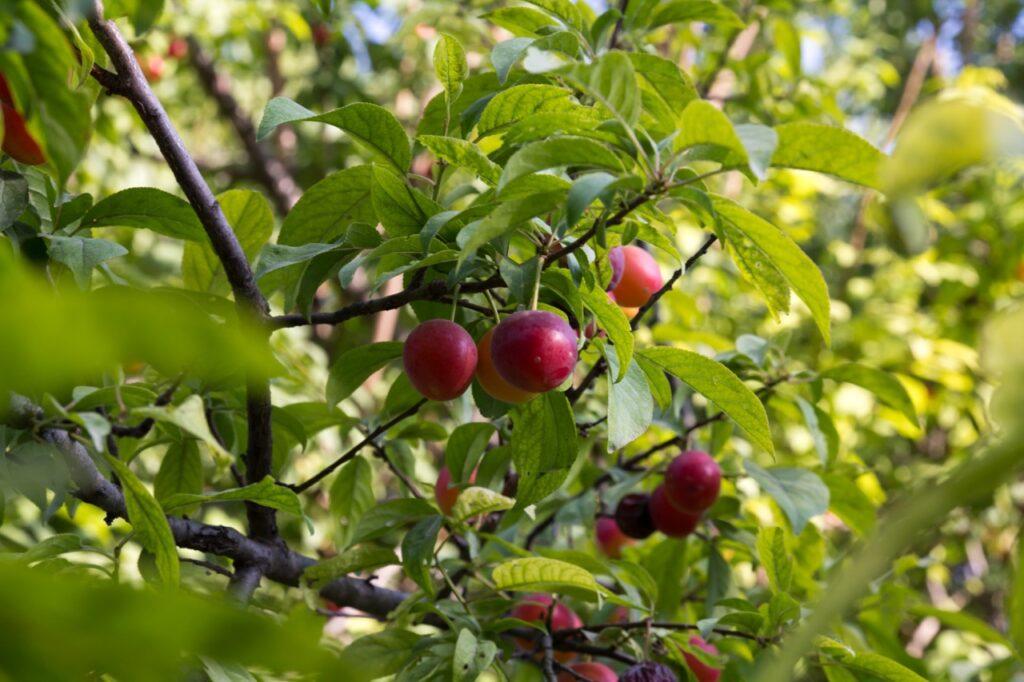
(13, 197)
(591, 186)
(544, 445)
(828, 149)
(471, 656)
(388, 516)
(274, 257)
(373, 126)
(611, 80)
(779, 248)
(504, 219)
(147, 209)
(752, 262)
(418, 551)
(885, 386)
(535, 574)
(520, 21)
(250, 217)
(630, 406)
(882, 668)
(563, 10)
(685, 11)
(656, 380)
(798, 492)
(191, 418)
(518, 102)
(665, 90)
(149, 522)
(718, 384)
(704, 124)
(558, 152)
(776, 559)
(327, 208)
(381, 654)
(353, 559)
(400, 208)
(351, 495)
(505, 55)
(823, 430)
(450, 64)
(474, 501)
(759, 142)
(465, 445)
(462, 153)
(266, 493)
(82, 254)
(52, 546)
(354, 366)
(611, 319)
(181, 471)
(850, 504)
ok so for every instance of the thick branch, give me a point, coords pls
(275, 561)
(269, 170)
(132, 85)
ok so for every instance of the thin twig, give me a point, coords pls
(354, 450)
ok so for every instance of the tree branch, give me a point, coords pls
(131, 84)
(270, 171)
(354, 450)
(431, 291)
(244, 582)
(275, 561)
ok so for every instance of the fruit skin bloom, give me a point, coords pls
(649, 671)
(692, 481)
(534, 350)
(617, 262)
(439, 357)
(488, 376)
(641, 277)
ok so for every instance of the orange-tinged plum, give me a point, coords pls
(702, 671)
(630, 313)
(488, 376)
(670, 520)
(439, 357)
(589, 670)
(610, 538)
(641, 277)
(18, 142)
(692, 481)
(445, 493)
(534, 609)
(534, 350)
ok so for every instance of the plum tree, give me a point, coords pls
(534, 350)
(610, 538)
(490, 380)
(692, 481)
(440, 359)
(669, 519)
(641, 277)
(702, 671)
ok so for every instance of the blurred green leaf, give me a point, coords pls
(886, 387)
(252, 220)
(354, 366)
(799, 493)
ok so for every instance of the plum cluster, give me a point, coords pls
(691, 485)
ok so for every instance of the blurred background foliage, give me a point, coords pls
(913, 278)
